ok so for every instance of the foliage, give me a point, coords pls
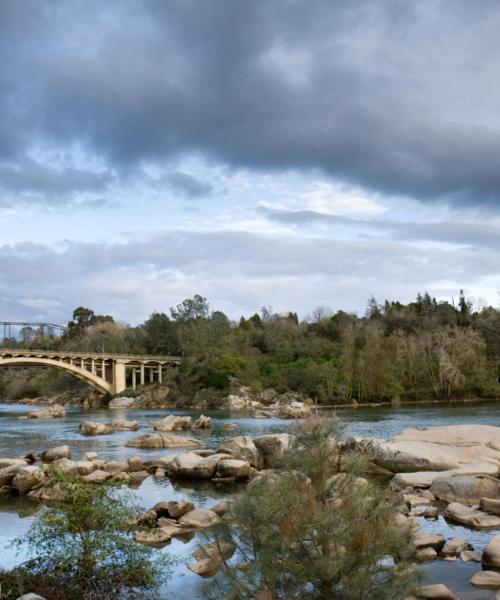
(82, 548)
(410, 352)
(307, 530)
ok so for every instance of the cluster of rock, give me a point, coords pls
(163, 439)
(32, 476)
(95, 428)
(269, 403)
(180, 519)
(178, 423)
(458, 465)
(166, 520)
(55, 411)
(237, 459)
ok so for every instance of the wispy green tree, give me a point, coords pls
(312, 528)
(82, 548)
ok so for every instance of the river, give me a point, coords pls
(18, 436)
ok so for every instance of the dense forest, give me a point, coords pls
(424, 350)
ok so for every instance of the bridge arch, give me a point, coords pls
(91, 379)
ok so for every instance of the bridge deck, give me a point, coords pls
(38, 353)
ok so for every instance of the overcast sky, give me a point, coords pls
(290, 153)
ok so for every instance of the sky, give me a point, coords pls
(291, 153)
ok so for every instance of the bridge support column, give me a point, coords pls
(142, 375)
(134, 378)
(159, 373)
(119, 378)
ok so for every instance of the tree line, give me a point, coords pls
(395, 352)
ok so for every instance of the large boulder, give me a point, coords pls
(27, 478)
(121, 402)
(173, 509)
(295, 410)
(455, 546)
(465, 489)
(189, 465)
(444, 448)
(12, 462)
(486, 579)
(95, 428)
(467, 515)
(97, 476)
(50, 412)
(490, 506)
(273, 446)
(428, 539)
(242, 447)
(491, 553)
(162, 440)
(231, 467)
(172, 423)
(7, 474)
(56, 453)
(203, 422)
(240, 398)
(199, 518)
(160, 535)
(116, 466)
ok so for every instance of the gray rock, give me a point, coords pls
(27, 478)
(436, 591)
(199, 518)
(490, 505)
(486, 579)
(242, 447)
(428, 539)
(51, 412)
(172, 423)
(95, 428)
(454, 546)
(162, 440)
(239, 469)
(203, 422)
(491, 553)
(121, 402)
(56, 453)
(97, 476)
(425, 554)
(471, 517)
(465, 489)
(273, 446)
(173, 509)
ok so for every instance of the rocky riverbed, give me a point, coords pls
(430, 484)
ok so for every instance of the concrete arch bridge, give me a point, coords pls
(107, 373)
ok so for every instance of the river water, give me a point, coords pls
(19, 436)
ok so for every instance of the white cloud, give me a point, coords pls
(339, 200)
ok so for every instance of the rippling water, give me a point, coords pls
(19, 436)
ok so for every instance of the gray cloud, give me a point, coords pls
(475, 234)
(399, 97)
(188, 185)
(32, 181)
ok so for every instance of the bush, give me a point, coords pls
(82, 549)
